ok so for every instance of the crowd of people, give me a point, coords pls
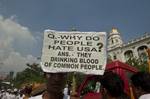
(11, 94)
(111, 87)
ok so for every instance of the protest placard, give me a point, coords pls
(74, 51)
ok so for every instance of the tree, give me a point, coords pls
(31, 74)
(139, 63)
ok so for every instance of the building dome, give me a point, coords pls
(114, 38)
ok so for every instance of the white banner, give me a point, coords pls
(74, 51)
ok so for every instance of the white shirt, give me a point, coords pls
(145, 96)
(66, 91)
(36, 97)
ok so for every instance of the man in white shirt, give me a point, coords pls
(65, 92)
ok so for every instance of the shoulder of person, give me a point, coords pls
(145, 96)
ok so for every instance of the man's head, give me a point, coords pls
(55, 82)
(27, 90)
(111, 85)
(141, 83)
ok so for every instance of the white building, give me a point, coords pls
(119, 50)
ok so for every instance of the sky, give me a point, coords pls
(22, 23)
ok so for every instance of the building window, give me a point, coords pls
(128, 54)
(116, 40)
(115, 57)
(112, 41)
(109, 59)
(141, 50)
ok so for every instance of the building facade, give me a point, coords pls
(118, 50)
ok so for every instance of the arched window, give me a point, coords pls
(142, 52)
(115, 57)
(109, 59)
(112, 41)
(128, 54)
(116, 40)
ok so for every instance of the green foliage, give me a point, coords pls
(90, 87)
(31, 74)
(139, 63)
(78, 78)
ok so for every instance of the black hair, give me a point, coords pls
(141, 80)
(113, 84)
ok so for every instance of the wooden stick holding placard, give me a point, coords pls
(74, 84)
